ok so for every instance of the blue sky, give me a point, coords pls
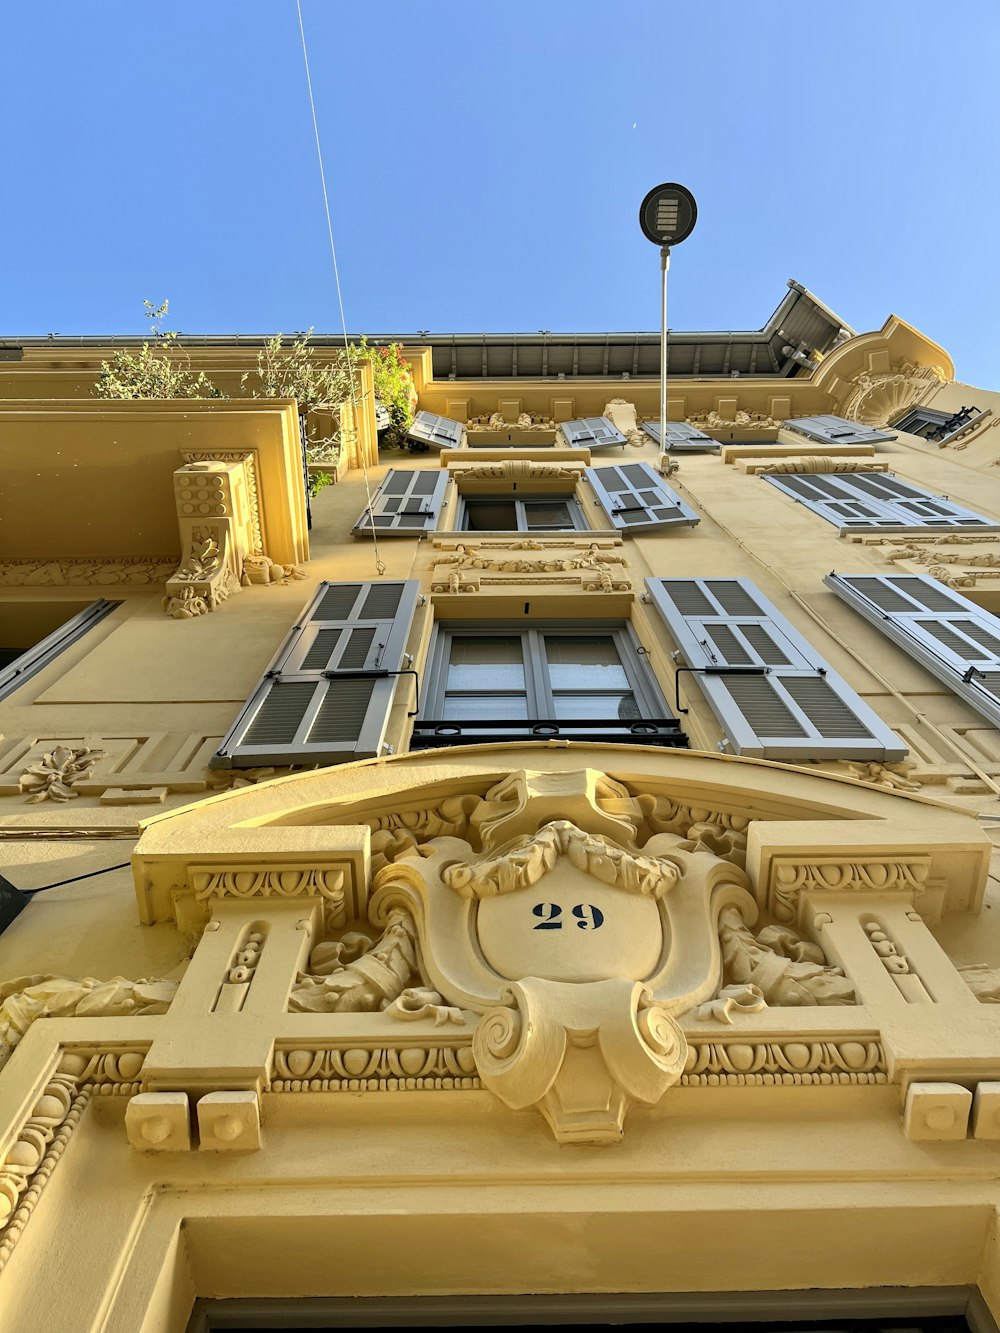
(486, 162)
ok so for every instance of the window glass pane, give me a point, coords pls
(585, 663)
(486, 663)
(484, 707)
(547, 514)
(490, 516)
(571, 707)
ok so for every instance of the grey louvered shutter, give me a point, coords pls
(592, 433)
(325, 698)
(837, 430)
(681, 437)
(407, 501)
(953, 638)
(855, 501)
(774, 696)
(437, 432)
(636, 499)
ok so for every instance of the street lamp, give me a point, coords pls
(667, 216)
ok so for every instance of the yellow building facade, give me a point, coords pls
(557, 885)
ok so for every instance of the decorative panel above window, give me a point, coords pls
(434, 432)
(326, 696)
(772, 693)
(856, 502)
(953, 638)
(407, 501)
(681, 438)
(592, 433)
(637, 499)
(837, 430)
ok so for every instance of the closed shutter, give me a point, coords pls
(774, 696)
(681, 437)
(407, 501)
(837, 430)
(636, 498)
(437, 432)
(325, 698)
(858, 501)
(952, 637)
(591, 433)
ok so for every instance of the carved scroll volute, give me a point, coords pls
(581, 1054)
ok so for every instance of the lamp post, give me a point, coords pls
(667, 216)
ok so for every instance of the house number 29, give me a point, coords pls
(587, 916)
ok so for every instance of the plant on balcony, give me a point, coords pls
(156, 370)
(394, 388)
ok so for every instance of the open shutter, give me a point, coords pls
(837, 430)
(856, 501)
(774, 696)
(325, 698)
(592, 433)
(637, 499)
(436, 432)
(952, 637)
(407, 501)
(681, 438)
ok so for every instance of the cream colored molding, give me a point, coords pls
(105, 571)
(516, 420)
(810, 463)
(379, 1068)
(741, 453)
(857, 1058)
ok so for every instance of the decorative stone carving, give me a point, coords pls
(261, 570)
(983, 981)
(897, 777)
(33, 1156)
(585, 948)
(138, 570)
(55, 776)
(496, 421)
(26, 998)
(517, 470)
(466, 563)
(353, 975)
(741, 421)
(291, 882)
(875, 399)
(748, 1060)
(784, 968)
(241, 971)
(375, 1069)
(813, 463)
(791, 877)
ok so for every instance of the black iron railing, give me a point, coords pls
(429, 733)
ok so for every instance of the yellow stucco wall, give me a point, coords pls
(388, 1176)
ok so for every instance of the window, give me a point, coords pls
(856, 501)
(952, 637)
(938, 426)
(326, 695)
(505, 513)
(32, 634)
(772, 693)
(513, 683)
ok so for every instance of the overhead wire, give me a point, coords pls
(379, 563)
